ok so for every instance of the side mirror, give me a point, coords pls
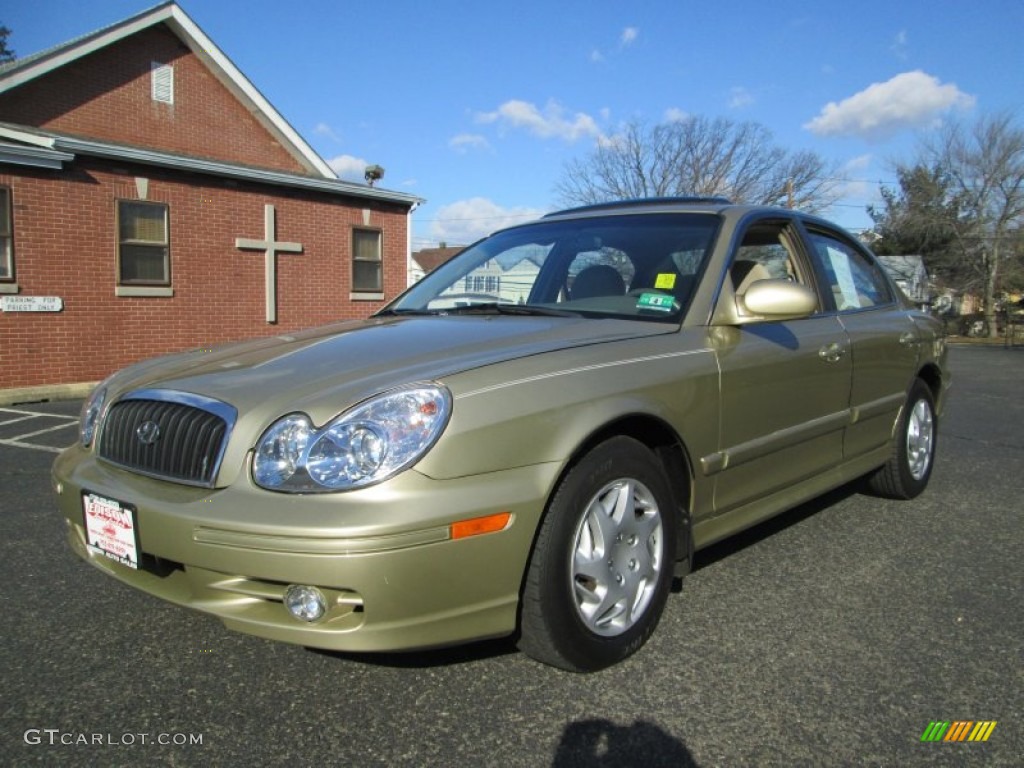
(766, 301)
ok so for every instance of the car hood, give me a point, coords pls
(325, 370)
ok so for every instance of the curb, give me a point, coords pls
(21, 395)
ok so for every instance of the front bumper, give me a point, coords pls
(383, 556)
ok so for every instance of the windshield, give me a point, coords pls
(642, 266)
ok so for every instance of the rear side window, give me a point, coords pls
(852, 279)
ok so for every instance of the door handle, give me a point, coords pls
(909, 339)
(831, 353)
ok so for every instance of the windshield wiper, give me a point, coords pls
(498, 308)
(403, 311)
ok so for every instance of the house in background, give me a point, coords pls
(507, 280)
(425, 261)
(152, 200)
(910, 275)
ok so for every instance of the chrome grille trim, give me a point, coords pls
(193, 435)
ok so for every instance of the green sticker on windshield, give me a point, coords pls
(656, 301)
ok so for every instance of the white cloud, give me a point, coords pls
(908, 100)
(627, 37)
(675, 115)
(348, 167)
(323, 129)
(466, 221)
(859, 164)
(854, 185)
(551, 122)
(899, 45)
(467, 141)
(740, 97)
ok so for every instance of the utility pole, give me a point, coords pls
(789, 193)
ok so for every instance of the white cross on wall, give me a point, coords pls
(270, 248)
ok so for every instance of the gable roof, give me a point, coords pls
(175, 19)
(904, 267)
(430, 259)
(21, 145)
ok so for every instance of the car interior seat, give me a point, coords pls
(598, 280)
(745, 273)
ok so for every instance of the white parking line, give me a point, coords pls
(14, 421)
(34, 447)
(19, 441)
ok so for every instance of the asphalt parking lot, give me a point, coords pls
(833, 635)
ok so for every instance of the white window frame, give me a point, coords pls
(161, 287)
(7, 277)
(361, 292)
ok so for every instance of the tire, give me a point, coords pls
(906, 473)
(602, 564)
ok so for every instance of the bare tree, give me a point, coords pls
(699, 156)
(984, 163)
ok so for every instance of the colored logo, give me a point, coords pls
(958, 730)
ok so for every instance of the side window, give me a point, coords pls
(143, 252)
(852, 279)
(765, 253)
(367, 265)
(6, 236)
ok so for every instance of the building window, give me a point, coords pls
(143, 255)
(162, 82)
(6, 236)
(367, 266)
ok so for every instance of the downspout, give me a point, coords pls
(408, 245)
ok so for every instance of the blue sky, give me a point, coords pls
(477, 106)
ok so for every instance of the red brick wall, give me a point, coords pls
(65, 245)
(107, 95)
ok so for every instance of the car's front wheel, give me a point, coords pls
(906, 473)
(602, 565)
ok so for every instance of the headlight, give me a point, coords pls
(91, 411)
(370, 443)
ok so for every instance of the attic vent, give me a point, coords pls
(163, 82)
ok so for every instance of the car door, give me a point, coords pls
(884, 340)
(785, 386)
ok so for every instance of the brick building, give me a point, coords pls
(152, 200)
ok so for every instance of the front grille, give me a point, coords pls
(170, 435)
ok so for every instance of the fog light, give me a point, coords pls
(305, 603)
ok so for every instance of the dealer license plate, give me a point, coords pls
(111, 529)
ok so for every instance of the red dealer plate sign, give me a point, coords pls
(111, 529)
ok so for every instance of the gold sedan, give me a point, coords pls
(533, 440)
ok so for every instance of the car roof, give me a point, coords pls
(647, 204)
(721, 206)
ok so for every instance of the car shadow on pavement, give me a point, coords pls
(764, 530)
(506, 646)
(432, 657)
(598, 743)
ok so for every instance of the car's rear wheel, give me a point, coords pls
(906, 473)
(602, 565)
